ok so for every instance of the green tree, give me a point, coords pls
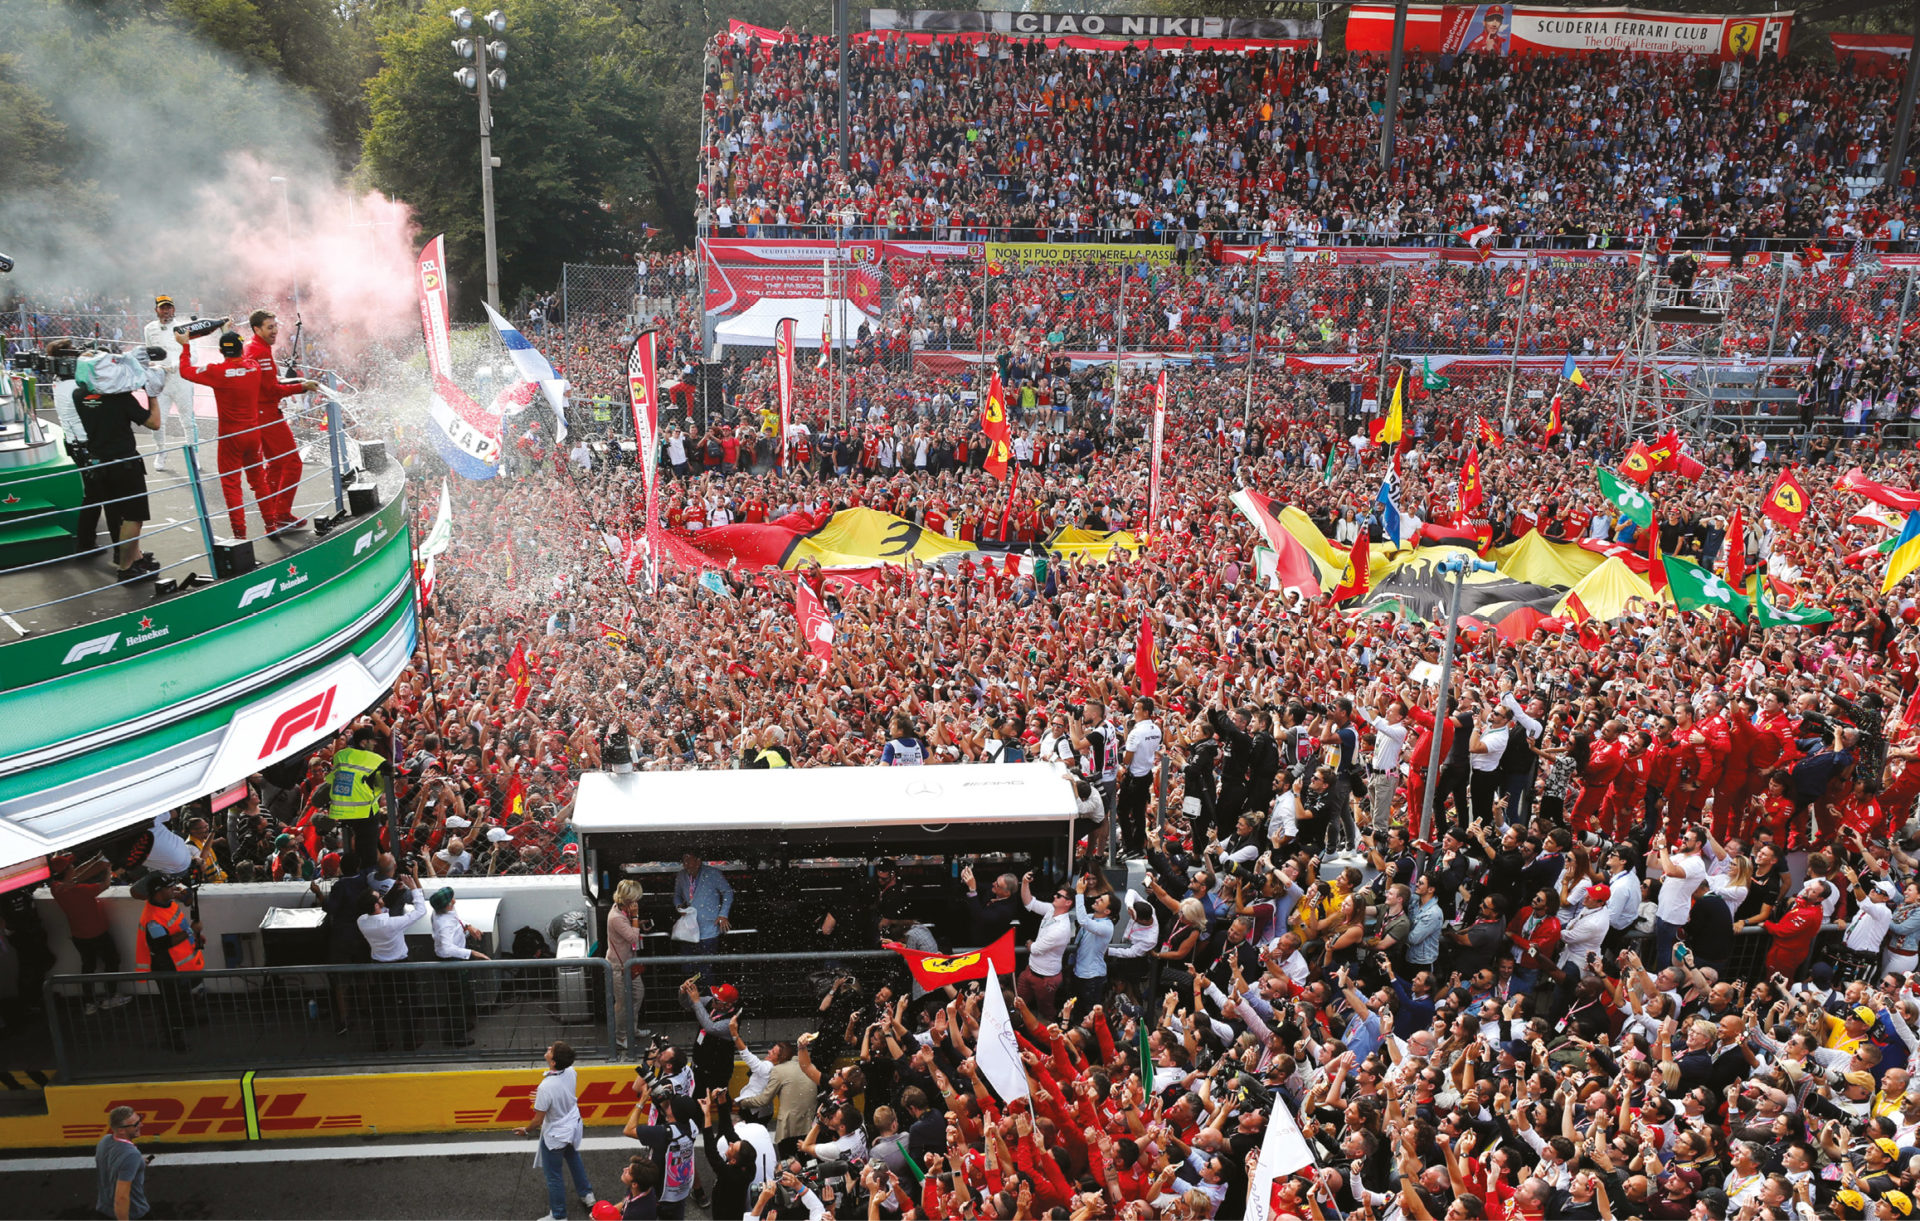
(563, 131)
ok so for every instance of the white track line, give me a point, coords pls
(268, 1151)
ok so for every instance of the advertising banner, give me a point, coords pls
(1507, 29)
(1033, 254)
(1109, 25)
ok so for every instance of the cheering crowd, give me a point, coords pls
(1653, 953)
(1006, 138)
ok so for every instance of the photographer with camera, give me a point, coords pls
(670, 1141)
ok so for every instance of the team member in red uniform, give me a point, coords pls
(1661, 778)
(1604, 761)
(1627, 797)
(277, 446)
(1720, 726)
(234, 380)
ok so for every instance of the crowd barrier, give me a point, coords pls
(325, 1016)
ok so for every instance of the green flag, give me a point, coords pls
(1429, 378)
(1701, 589)
(1146, 1057)
(1326, 476)
(1635, 504)
(1790, 616)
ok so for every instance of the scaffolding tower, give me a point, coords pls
(1669, 370)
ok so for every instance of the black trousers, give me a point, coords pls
(1485, 787)
(392, 989)
(97, 953)
(1453, 783)
(1134, 792)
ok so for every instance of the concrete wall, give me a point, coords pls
(234, 908)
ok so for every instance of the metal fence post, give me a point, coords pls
(336, 451)
(199, 498)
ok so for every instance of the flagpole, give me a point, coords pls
(1513, 365)
(1119, 344)
(1253, 337)
(420, 611)
(1386, 335)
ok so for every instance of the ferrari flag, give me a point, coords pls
(932, 971)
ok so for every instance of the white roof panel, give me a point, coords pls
(821, 798)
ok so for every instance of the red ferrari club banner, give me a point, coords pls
(939, 970)
(1507, 29)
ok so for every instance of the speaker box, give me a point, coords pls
(232, 557)
(373, 456)
(363, 498)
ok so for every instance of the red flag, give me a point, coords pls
(816, 626)
(1489, 435)
(1638, 464)
(1354, 584)
(1856, 480)
(1516, 285)
(1787, 503)
(1471, 493)
(993, 422)
(643, 394)
(515, 802)
(1143, 670)
(1590, 638)
(1556, 423)
(1665, 452)
(932, 971)
(522, 676)
(1687, 466)
(1737, 551)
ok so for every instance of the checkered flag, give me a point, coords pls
(1770, 32)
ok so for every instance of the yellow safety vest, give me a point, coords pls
(771, 758)
(354, 796)
(602, 410)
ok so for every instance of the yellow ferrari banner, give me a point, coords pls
(1100, 547)
(857, 538)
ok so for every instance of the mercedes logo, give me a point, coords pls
(923, 788)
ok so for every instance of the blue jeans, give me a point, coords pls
(551, 1161)
(1664, 935)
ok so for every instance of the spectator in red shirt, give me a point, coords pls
(77, 891)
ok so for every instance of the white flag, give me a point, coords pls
(1282, 1152)
(996, 1051)
(440, 537)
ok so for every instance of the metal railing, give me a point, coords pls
(328, 457)
(135, 1024)
(780, 994)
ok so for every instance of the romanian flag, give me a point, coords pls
(521, 674)
(932, 971)
(1906, 553)
(1571, 372)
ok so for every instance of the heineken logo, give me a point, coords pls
(146, 621)
(11, 499)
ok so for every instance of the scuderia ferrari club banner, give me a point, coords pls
(932, 971)
(1506, 29)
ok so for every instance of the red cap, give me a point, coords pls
(727, 994)
(606, 1210)
(1600, 891)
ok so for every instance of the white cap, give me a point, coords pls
(457, 822)
(498, 835)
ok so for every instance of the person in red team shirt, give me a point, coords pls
(235, 381)
(277, 446)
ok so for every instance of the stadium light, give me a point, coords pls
(497, 21)
(462, 18)
(482, 82)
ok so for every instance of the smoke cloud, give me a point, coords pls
(164, 183)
